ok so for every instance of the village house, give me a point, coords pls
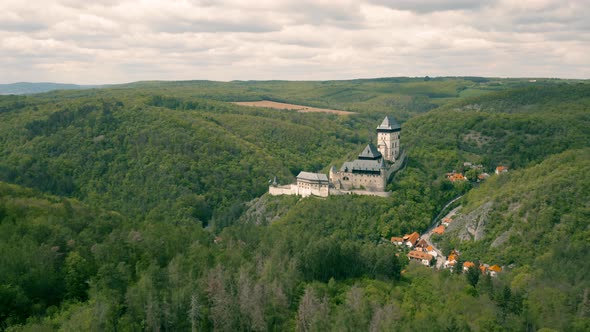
(482, 176)
(447, 221)
(501, 169)
(430, 250)
(411, 239)
(421, 245)
(472, 166)
(467, 265)
(439, 230)
(452, 259)
(453, 177)
(494, 270)
(398, 241)
(484, 268)
(420, 256)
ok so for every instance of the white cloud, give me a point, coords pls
(112, 41)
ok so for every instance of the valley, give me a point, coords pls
(145, 206)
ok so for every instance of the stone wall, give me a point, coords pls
(281, 190)
(302, 189)
(347, 181)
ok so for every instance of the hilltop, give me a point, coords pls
(22, 88)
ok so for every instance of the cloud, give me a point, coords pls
(428, 6)
(113, 41)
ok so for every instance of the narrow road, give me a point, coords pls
(440, 258)
(437, 218)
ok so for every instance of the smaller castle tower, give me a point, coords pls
(388, 138)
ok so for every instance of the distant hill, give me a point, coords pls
(22, 88)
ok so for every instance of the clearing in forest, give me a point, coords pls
(283, 106)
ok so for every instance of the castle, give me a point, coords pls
(367, 175)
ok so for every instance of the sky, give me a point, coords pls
(111, 41)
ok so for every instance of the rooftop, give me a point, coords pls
(362, 166)
(370, 152)
(412, 238)
(318, 177)
(389, 124)
(468, 264)
(419, 255)
(439, 230)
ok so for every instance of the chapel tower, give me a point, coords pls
(388, 135)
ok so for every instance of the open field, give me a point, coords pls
(283, 106)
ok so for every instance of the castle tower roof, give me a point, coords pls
(389, 124)
(370, 152)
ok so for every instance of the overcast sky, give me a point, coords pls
(110, 41)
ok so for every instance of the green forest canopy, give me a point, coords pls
(124, 208)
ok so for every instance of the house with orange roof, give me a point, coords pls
(483, 269)
(467, 265)
(449, 264)
(421, 245)
(447, 220)
(411, 239)
(482, 176)
(430, 250)
(494, 270)
(420, 256)
(397, 240)
(439, 230)
(456, 177)
(501, 169)
(452, 259)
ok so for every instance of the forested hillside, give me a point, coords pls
(142, 207)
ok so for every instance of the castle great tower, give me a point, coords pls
(388, 135)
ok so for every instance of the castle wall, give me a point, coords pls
(347, 181)
(312, 188)
(301, 188)
(283, 190)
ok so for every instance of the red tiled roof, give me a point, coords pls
(419, 255)
(422, 244)
(456, 177)
(468, 264)
(412, 238)
(396, 239)
(496, 268)
(439, 230)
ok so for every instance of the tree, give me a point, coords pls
(458, 268)
(312, 313)
(194, 312)
(473, 274)
(78, 272)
